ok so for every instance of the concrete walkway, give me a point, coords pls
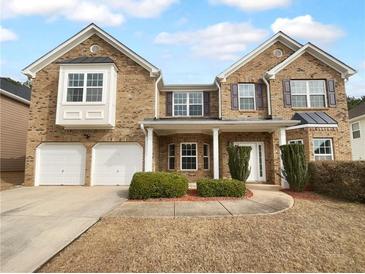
(37, 222)
(266, 201)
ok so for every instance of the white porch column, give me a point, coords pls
(282, 141)
(148, 150)
(216, 153)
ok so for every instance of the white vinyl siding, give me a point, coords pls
(246, 96)
(308, 93)
(188, 103)
(322, 149)
(189, 156)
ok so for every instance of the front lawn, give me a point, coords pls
(314, 236)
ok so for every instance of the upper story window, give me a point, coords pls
(308, 93)
(355, 130)
(79, 90)
(246, 96)
(188, 103)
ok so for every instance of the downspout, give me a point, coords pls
(219, 100)
(268, 95)
(157, 97)
(145, 146)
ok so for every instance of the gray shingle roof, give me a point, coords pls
(88, 60)
(14, 88)
(357, 111)
(313, 118)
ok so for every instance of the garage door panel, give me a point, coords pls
(61, 164)
(115, 164)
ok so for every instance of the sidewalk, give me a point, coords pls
(266, 201)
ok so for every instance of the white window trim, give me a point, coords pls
(352, 131)
(66, 70)
(323, 139)
(307, 93)
(254, 96)
(196, 156)
(296, 140)
(170, 156)
(205, 144)
(187, 104)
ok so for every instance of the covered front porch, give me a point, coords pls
(198, 147)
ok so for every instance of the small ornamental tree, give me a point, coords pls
(295, 166)
(238, 162)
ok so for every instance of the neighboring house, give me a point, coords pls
(14, 115)
(100, 112)
(357, 128)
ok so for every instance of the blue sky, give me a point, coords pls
(185, 37)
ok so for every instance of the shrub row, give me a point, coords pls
(340, 179)
(146, 185)
(220, 188)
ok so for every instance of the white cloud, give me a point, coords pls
(253, 5)
(143, 8)
(305, 27)
(220, 41)
(7, 35)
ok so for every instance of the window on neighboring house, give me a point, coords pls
(206, 156)
(171, 156)
(246, 96)
(299, 141)
(188, 156)
(323, 149)
(80, 91)
(355, 130)
(308, 93)
(188, 103)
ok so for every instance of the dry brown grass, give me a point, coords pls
(314, 236)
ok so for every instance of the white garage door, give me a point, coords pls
(115, 163)
(60, 164)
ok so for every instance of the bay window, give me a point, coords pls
(188, 156)
(188, 103)
(308, 93)
(322, 149)
(79, 90)
(246, 96)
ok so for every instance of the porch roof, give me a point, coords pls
(171, 126)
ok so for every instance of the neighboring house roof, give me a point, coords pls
(326, 58)
(14, 90)
(78, 38)
(357, 111)
(280, 36)
(88, 60)
(313, 118)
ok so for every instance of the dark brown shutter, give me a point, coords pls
(234, 96)
(168, 103)
(259, 96)
(206, 103)
(286, 93)
(331, 93)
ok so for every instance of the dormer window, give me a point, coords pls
(79, 90)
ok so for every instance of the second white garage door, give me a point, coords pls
(115, 163)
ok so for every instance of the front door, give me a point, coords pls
(257, 161)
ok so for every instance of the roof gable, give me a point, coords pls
(321, 55)
(78, 38)
(280, 36)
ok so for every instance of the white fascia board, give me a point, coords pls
(189, 87)
(324, 57)
(357, 118)
(313, 126)
(220, 122)
(280, 36)
(15, 97)
(78, 38)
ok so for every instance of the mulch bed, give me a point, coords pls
(192, 196)
(306, 195)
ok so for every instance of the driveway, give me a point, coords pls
(37, 222)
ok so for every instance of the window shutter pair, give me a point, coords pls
(206, 103)
(259, 94)
(331, 93)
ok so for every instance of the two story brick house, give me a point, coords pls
(99, 112)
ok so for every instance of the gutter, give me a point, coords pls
(157, 97)
(268, 94)
(219, 100)
(15, 97)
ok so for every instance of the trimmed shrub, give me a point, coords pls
(220, 188)
(339, 179)
(295, 166)
(146, 185)
(238, 162)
